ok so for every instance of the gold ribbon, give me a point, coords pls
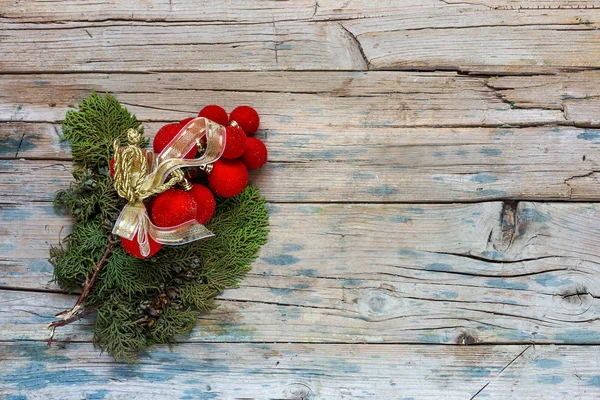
(140, 174)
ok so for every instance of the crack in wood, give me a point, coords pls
(19, 146)
(470, 301)
(427, 28)
(489, 260)
(591, 173)
(502, 370)
(574, 295)
(483, 275)
(451, 3)
(569, 184)
(356, 44)
(315, 10)
(275, 43)
(158, 108)
(549, 7)
(275, 303)
(509, 315)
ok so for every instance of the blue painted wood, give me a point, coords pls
(293, 371)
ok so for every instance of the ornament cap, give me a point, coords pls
(185, 185)
(208, 168)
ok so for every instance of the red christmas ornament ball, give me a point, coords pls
(165, 135)
(235, 142)
(172, 208)
(205, 201)
(133, 248)
(256, 154)
(215, 113)
(183, 122)
(228, 177)
(111, 167)
(247, 118)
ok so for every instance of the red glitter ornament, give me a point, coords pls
(205, 201)
(133, 248)
(255, 155)
(172, 208)
(235, 142)
(165, 135)
(247, 118)
(228, 177)
(111, 167)
(215, 113)
(184, 122)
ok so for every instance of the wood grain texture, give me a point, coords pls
(527, 149)
(323, 179)
(305, 100)
(304, 371)
(577, 95)
(502, 42)
(487, 272)
(353, 299)
(293, 371)
(235, 11)
(301, 35)
(365, 134)
(240, 11)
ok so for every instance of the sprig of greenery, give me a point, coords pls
(93, 129)
(151, 301)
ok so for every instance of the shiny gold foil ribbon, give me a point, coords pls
(140, 174)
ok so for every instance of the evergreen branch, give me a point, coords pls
(140, 302)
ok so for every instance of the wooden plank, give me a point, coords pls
(502, 47)
(316, 100)
(483, 272)
(354, 119)
(240, 11)
(177, 46)
(322, 180)
(302, 36)
(437, 165)
(293, 371)
(529, 149)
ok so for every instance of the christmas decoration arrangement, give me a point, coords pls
(158, 233)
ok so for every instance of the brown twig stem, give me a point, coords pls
(67, 321)
(76, 313)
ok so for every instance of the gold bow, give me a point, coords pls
(140, 174)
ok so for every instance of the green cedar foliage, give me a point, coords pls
(151, 301)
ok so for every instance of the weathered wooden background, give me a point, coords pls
(432, 183)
